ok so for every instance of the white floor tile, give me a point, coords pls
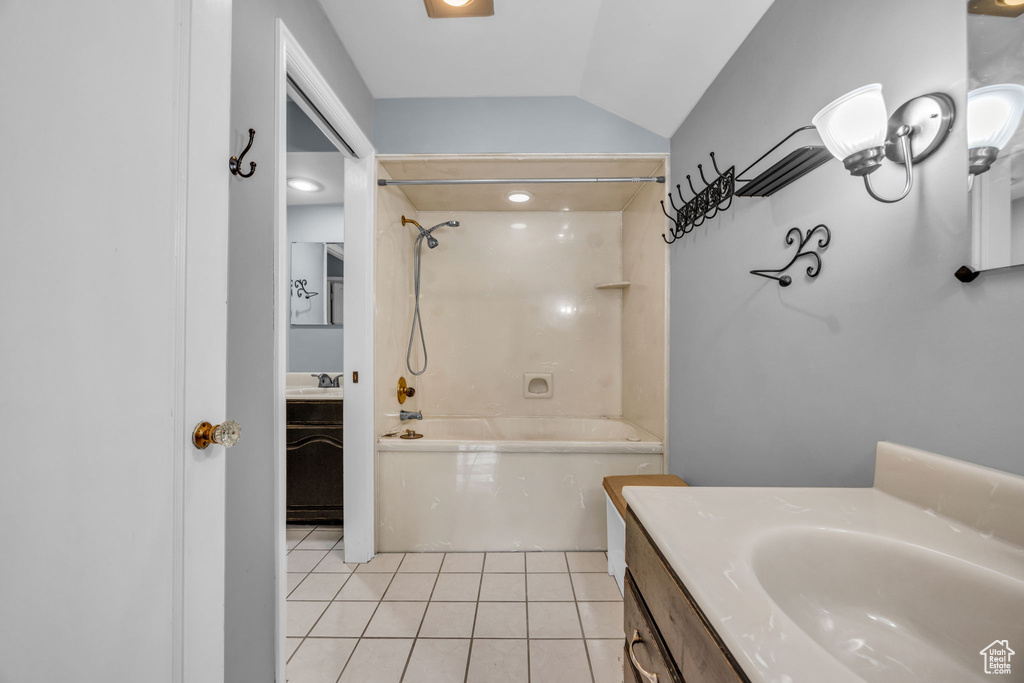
(587, 562)
(344, 620)
(503, 587)
(546, 562)
(335, 562)
(411, 587)
(601, 619)
(505, 562)
(421, 562)
(294, 579)
(377, 661)
(500, 620)
(559, 661)
(606, 660)
(292, 536)
(457, 587)
(498, 661)
(396, 620)
(319, 660)
(302, 616)
(595, 587)
(463, 562)
(437, 661)
(365, 587)
(304, 560)
(383, 563)
(553, 620)
(548, 587)
(290, 646)
(319, 540)
(448, 620)
(319, 587)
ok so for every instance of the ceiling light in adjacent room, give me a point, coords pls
(519, 196)
(304, 185)
(457, 3)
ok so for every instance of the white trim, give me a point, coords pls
(360, 195)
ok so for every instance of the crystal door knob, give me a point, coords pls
(225, 434)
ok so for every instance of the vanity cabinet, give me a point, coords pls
(673, 637)
(315, 453)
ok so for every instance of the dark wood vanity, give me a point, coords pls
(315, 453)
(673, 638)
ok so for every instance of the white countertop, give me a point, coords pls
(721, 543)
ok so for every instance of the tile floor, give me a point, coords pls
(534, 617)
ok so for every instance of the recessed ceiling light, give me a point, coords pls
(519, 196)
(453, 9)
(519, 226)
(304, 185)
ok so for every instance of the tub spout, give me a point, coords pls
(407, 415)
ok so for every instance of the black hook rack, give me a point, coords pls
(705, 204)
(235, 164)
(812, 270)
(300, 289)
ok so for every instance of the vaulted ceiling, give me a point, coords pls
(648, 61)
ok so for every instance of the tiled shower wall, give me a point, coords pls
(393, 300)
(508, 293)
(645, 266)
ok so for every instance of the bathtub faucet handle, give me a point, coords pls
(408, 415)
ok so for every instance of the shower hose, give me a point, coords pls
(416, 321)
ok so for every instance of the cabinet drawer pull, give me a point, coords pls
(649, 677)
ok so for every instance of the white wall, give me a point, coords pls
(794, 386)
(87, 355)
(491, 125)
(251, 514)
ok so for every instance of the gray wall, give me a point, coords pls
(494, 125)
(251, 516)
(794, 386)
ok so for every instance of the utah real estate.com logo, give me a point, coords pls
(997, 657)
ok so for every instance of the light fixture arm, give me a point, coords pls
(903, 133)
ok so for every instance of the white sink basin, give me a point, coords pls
(887, 609)
(315, 392)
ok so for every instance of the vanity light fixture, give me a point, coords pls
(304, 185)
(993, 115)
(856, 130)
(519, 196)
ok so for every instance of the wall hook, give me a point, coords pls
(235, 164)
(813, 269)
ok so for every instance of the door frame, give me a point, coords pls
(200, 204)
(360, 246)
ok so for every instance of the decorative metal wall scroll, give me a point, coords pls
(716, 196)
(792, 236)
(300, 289)
(235, 164)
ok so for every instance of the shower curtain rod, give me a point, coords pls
(517, 181)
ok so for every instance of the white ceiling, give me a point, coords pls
(326, 168)
(648, 61)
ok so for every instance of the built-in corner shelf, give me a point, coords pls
(612, 285)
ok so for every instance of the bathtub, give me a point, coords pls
(504, 483)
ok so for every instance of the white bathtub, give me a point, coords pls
(508, 483)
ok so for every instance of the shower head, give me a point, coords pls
(431, 241)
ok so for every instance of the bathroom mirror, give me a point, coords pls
(995, 48)
(317, 283)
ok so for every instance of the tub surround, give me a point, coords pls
(926, 569)
(505, 483)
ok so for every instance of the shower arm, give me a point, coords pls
(383, 182)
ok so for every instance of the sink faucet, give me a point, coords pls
(326, 382)
(407, 415)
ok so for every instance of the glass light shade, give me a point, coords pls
(993, 114)
(853, 123)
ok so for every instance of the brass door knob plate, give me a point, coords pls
(404, 390)
(225, 434)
